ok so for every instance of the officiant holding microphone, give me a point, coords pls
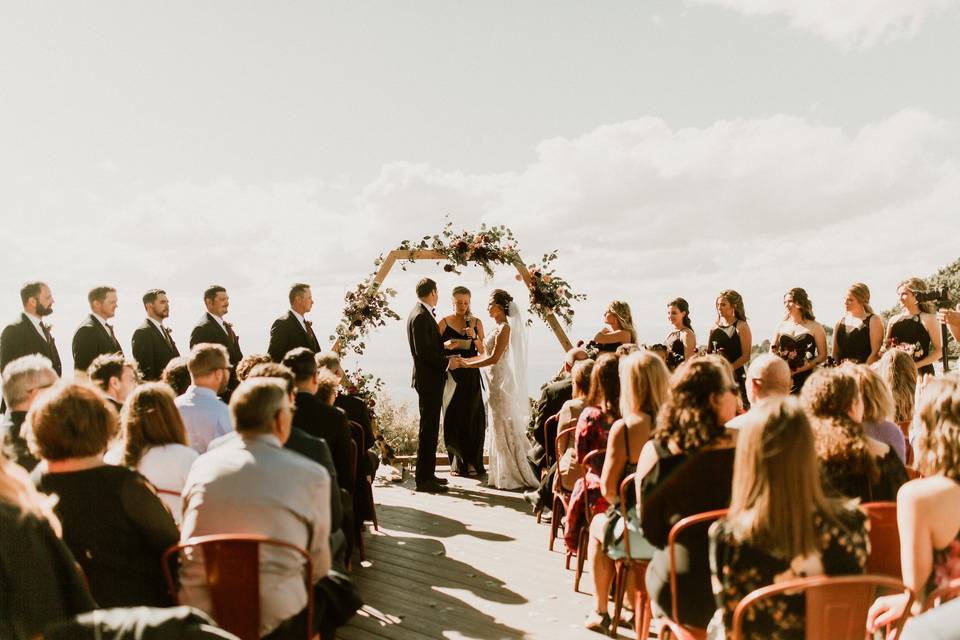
(464, 416)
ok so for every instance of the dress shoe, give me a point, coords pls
(533, 497)
(442, 481)
(431, 487)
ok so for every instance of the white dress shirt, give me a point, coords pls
(252, 485)
(204, 415)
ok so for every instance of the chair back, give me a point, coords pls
(836, 606)
(551, 423)
(884, 539)
(945, 593)
(569, 431)
(356, 434)
(232, 568)
(683, 524)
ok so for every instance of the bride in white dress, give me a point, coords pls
(506, 357)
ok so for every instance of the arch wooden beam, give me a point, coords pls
(422, 254)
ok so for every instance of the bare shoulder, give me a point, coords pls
(929, 491)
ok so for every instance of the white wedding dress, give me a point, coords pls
(509, 410)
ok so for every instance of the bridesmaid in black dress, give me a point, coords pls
(915, 329)
(800, 339)
(858, 335)
(682, 341)
(464, 418)
(731, 337)
(617, 327)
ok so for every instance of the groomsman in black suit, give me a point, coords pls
(293, 329)
(429, 376)
(213, 328)
(29, 334)
(153, 346)
(95, 335)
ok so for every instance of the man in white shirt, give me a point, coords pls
(206, 416)
(252, 485)
(767, 377)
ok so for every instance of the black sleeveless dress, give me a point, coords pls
(730, 348)
(853, 344)
(464, 420)
(797, 351)
(676, 349)
(909, 330)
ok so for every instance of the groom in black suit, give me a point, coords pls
(430, 367)
(153, 346)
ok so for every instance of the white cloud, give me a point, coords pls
(848, 23)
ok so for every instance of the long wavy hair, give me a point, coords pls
(777, 487)
(687, 419)
(900, 373)
(877, 399)
(735, 300)
(917, 285)
(938, 449)
(802, 300)
(644, 384)
(149, 418)
(605, 385)
(621, 309)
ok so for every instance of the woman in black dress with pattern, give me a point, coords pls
(682, 341)
(617, 328)
(915, 329)
(858, 335)
(800, 339)
(464, 417)
(731, 337)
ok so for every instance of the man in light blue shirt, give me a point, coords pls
(206, 416)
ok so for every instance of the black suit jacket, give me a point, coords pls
(552, 397)
(426, 347)
(90, 340)
(21, 338)
(323, 421)
(209, 330)
(317, 450)
(151, 350)
(287, 333)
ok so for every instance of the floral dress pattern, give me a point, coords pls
(593, 427)
(739, 568)
(946, 565)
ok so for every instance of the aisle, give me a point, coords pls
(469, 564)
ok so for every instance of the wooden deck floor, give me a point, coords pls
(472, 563)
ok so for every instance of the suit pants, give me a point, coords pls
(430, 401)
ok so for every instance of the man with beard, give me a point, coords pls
(30, 334)
(206, 416)
(214, 329)
(153, 346)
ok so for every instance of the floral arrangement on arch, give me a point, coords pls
(365, 307)
(365, 386)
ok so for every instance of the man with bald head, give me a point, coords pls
(767, 377)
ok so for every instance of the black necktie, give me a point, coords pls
(230, 333)
(166, 334)
(113, 336)
(310, 333)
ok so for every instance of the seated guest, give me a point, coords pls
(767, 377)
(205, 415)
(878, 409)
(23, 379)
(39, 580)
(552, 396)
(177, 375)
(593, 426)
(853, 463)
(643, 389)
(928, 508)
(113, 521)
(780, 525)
(899, 371)
(139, 623)
(234, 488)
(115, 376)
(686, 468)
(354, 407)
(248, 362)
(154, 442)
(316, 414)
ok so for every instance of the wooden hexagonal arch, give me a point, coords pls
(420, 254)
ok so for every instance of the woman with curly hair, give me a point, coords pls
(780, 525)
(800, 339)
(853, 463)
(915, 328)
(617, 327)
(682, 341)
(685, 468)
(731, 337)
(928, 508)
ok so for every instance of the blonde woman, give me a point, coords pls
(644, 381)
(853, 463)
(731, 337)
(928, 508)
(878, 408)
(858, 335)
(899, 372)
(41, 583)
(800, 339)
(780, 525)
(617, 327)
(915, 329)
